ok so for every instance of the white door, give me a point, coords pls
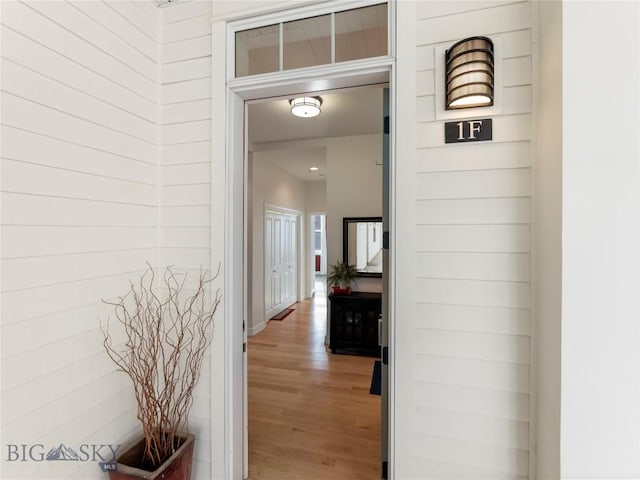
(280, 261)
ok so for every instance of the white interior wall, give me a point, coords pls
(462, 380)
(350, 189)
(315, 196)
(354, 189)
(270, 186)
(600, 406)
(79, 217)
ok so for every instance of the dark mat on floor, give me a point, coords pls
(376, 379)
(282, 314)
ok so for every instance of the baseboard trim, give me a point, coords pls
(256, 329)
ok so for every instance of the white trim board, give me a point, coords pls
(228, 102)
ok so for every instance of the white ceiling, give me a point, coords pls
(297, 161)
(356, 111)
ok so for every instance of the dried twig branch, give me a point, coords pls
(166, 339)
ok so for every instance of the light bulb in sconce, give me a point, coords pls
(470, 73)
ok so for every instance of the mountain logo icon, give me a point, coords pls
(61, 452)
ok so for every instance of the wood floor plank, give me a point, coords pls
(311, 416)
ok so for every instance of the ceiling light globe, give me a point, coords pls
(305, 107)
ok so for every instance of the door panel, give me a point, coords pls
(280, 254)
(268, 262)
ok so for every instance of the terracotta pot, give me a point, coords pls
(341, 290)
(177, 466)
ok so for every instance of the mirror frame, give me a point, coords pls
(345, 240)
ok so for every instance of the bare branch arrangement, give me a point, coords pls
(166, 339)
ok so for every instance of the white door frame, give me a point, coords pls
(228, 197)
(311, 260)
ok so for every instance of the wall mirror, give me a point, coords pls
(362, 244)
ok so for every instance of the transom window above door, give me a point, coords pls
(334, 37)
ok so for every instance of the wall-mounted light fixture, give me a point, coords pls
(469, 73)
(305, 107)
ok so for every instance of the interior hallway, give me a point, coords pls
(310, 412)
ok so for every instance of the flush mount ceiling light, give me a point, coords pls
(313, 169)
(305, 107)
(469, 73)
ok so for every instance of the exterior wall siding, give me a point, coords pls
(79, 216)
(471, 347)
(106, 154)
(185, 171)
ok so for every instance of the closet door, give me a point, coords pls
(280, 261)
(272, 263)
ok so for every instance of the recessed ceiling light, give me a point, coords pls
(305, 107)
(313, 169)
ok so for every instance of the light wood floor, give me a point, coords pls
(311, 416)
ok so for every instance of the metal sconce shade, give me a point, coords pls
(469, 73)
(305, 107)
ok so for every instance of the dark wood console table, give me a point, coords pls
(354, 323)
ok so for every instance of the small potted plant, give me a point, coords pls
(162, 337)
(341, 276)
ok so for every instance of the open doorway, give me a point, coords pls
(318, 253)
(311, 412)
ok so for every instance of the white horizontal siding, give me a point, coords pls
(481, 346)
(186, 91)
(30, 272)
(191, 48)
(186, 111)
(185, 10)
(474, 184)
(474, 292)
(26, 240)
(176, 237)
(186, 132)
(456, 25)
(472, 325)
(474, 156)
(48, 62)
(85, 21)
(474, 211)
(79, 145)
(27, 83)
(474, 266)
(186, 70)
(474, 400)
(28, 20)
(185, 172)
(474, 238)
(39, 149)
(27, 114)
(455, 471)
(183, 153)
(70, 184)
(25, 209)
(186, 216)
(474, 318)
(63, 297)
(481, 374)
